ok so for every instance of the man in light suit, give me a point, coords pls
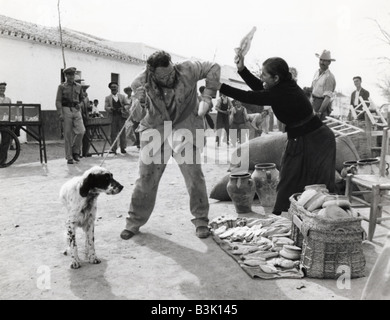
(359, 92)
(115, 106)
(167, 95)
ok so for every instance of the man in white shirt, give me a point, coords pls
(323, 86)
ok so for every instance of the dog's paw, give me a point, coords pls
(75, 265)
(94, 260)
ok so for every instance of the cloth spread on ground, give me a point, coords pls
(255, 244)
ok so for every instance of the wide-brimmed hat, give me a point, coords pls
(78, 79)
(127, 89)
(325, 55)
(83, 85)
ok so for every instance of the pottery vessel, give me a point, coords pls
(241, 190)
(266, 178)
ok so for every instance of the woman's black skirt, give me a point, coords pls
(309, 159)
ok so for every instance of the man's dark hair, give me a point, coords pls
(96, 100)
(159, 59)
(201, 89)
(357, 77)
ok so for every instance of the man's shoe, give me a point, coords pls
(86, 155)
(76, 157)
(70, 161)
(126, 234)
(112, 152)
(202, 232)
(123, 151)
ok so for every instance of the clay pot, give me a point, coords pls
(266, 178)
(241, 190)
(349, 167)
(368, 166)
(290, 252)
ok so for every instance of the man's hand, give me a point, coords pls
(140, 94)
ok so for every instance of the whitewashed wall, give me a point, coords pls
(32, 71)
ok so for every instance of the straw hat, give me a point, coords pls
(325, 55)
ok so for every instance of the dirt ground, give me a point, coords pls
(166, 261)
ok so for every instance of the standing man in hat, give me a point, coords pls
(323, 86)
(115, 106)
(68, 104)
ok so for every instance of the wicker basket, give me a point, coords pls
(329, 247)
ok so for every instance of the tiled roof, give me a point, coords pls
(72, 40)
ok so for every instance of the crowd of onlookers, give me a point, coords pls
(235, 124)
(74, 109)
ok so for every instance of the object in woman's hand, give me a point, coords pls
(245, 43)
(203, 108)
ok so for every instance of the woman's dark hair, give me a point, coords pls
(159, 59)
(278, 67)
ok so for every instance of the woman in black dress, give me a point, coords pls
(310, 153)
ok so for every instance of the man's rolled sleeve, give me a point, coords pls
(211, 72)
(329, 87)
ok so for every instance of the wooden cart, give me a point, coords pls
(20, 116)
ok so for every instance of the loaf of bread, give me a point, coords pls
(306, 196)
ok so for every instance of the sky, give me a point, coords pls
(210, 30)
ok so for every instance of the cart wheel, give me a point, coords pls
(13, 148)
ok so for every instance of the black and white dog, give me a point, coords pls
(79, 197)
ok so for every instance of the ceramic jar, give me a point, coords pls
(368, 166)
(349, 167)
(266, 178)
(241, 190)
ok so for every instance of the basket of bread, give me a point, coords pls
(329, 232)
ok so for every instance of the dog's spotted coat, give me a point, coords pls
(79, 197)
